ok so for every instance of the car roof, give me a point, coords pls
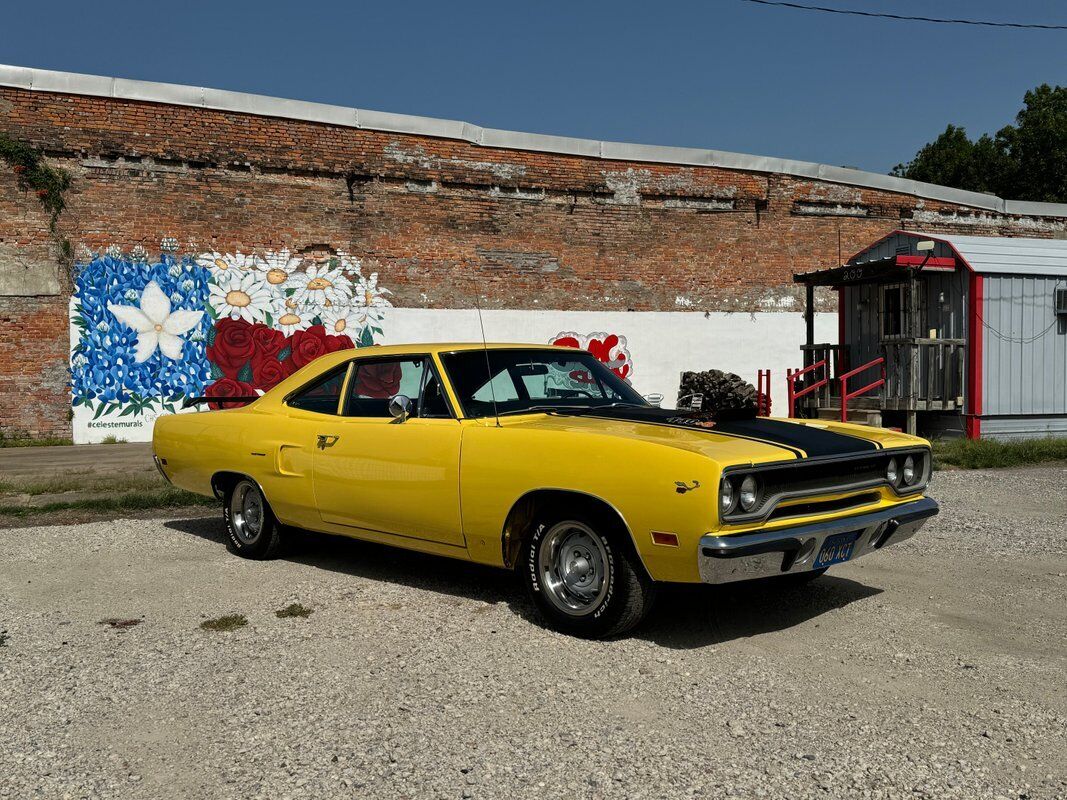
(452, 347)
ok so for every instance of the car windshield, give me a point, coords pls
(517, 381)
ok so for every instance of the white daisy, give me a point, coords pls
(290, 320)
(221, 264)
(345, 320)
(319, 286)
(369, 300)
(277, 266)
(156, 324)
(241, 294)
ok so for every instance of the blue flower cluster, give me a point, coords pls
(102, 362)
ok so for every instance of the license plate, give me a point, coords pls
(836, 548)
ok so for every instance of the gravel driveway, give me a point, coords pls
(937, 670)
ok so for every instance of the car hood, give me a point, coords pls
(727, 441)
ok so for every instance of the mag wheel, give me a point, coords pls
(583, 577)
(251, 529)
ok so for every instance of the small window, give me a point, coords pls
(323, 395)
(375, 383)
(433, 404)
(892, 311)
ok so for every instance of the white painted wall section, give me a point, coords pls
(662, 344)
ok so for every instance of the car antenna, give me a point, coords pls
(485, 349)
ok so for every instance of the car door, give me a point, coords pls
(378, 473)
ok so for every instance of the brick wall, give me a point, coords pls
(436, 218)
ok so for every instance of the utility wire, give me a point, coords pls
(904, 18)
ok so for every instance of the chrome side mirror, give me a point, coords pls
(400, 407)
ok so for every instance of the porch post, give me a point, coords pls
(809, 321)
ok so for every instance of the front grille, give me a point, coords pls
(805, 478)
(823, 506)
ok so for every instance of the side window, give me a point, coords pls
(500, 389)
(374, 383)
(892, 311)
(433, 404)
(323, 395)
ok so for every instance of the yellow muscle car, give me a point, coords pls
(540, 459)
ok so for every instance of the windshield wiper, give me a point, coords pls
(542, 409)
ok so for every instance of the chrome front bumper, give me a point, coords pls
(723, 559)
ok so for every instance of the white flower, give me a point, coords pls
(319, 286)
(168, 244)
(240, 294)
(369, 299)
(113, 251)
(343, 320)
(174, 270)
(278, 266)
(156, 324)
(187, 285)
(227, 264)
(292, 320)
(103, 327)
(131, 295)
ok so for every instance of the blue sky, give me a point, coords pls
(722, 74)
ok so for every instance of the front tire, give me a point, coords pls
(251, 528)
(583, 577)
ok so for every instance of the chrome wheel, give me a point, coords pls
(246, 511)
(574, 568)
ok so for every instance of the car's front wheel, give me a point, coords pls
(251, 529)
(583, 577)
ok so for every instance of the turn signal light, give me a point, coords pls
(668, 539)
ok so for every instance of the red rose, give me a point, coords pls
(227, 387)
(233, 346)
(340, 342)
(307, 345)
(268, 372)
(380, 381)
(268, 341)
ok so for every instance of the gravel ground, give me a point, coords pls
(936, 669)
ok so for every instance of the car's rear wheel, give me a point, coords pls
(583, 577)
(251, 529)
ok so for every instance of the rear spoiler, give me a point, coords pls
(189, 402)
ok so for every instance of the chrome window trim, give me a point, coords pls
(769, 504)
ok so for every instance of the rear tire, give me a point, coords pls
(251, 528)
(583, 576)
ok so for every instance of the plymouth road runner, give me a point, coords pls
(542, 460)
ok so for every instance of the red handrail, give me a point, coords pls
(791, 380)
(847, 395)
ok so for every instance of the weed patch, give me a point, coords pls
(227, 622)
(293, 610)
(989, 454)
(167, 497)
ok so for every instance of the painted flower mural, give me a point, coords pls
(121, 362)
(145, 335)
(609, 348)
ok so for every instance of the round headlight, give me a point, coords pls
(909, 470)
(749, 493)
(891, 473)
(726, 497)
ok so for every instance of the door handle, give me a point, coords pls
(327, 441)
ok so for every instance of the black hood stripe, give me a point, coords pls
(801, 440)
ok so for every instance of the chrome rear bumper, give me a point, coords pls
(723, 559)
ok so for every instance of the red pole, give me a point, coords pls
(789, 389)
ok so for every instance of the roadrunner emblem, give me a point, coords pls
(683, 487)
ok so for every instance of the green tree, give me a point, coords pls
(1025, 161)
